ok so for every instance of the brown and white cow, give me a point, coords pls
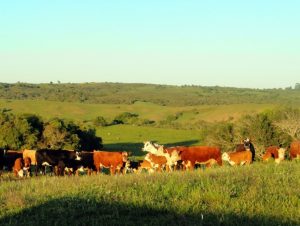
(112, 160)
(274, 152)
(21, 167)
(238, 157)
(295, 150)
(157, 162)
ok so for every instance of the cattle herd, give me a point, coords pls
(158, 158)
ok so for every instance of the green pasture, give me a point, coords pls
(131, 138)
(259, 194)
(146, 110)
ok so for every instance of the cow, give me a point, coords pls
(295, 150)
(274, 152)
(21, 167)
(249, 146)
(54, 158)
(157, 162)
(171, 154)
(200, 155)
(238, 157)
(112, 160)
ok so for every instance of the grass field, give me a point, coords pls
(259, 194)
(146, 110)
(131, 138)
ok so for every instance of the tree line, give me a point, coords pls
(28, 131)
(165, 95)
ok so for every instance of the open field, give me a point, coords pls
(131, 138)
(259, 194)
(82, 111)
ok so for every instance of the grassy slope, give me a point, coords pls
(81, 111)
(260, 194)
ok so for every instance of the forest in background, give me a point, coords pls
(165, 95)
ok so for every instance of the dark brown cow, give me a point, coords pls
(112, 160)
(199, 155)
(295, 150)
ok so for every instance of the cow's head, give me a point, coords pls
(27, 162)
(247, 143)
(124, 156)
(225, 157)
(147, 145)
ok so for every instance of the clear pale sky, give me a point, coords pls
(227, 43)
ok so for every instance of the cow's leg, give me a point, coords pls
(112, 170)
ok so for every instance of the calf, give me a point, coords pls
(238, 158)
(157, 162)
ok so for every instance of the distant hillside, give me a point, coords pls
(120, 93)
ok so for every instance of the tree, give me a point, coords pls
(288, 120)
(100, 121)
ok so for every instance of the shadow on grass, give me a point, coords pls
(73, 211)
(136, 148)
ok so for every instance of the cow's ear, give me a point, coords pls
(129, 153)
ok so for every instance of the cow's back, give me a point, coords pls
(201, 154)
(31, 154)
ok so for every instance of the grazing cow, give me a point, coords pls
(112, 160)
(21, 167)
(18, 167)
(295, 150)
(274, 152)
(157, 162)
(238, 157)
(54, 157)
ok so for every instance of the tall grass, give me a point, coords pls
(260, 194)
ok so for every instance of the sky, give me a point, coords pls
(234, 43)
